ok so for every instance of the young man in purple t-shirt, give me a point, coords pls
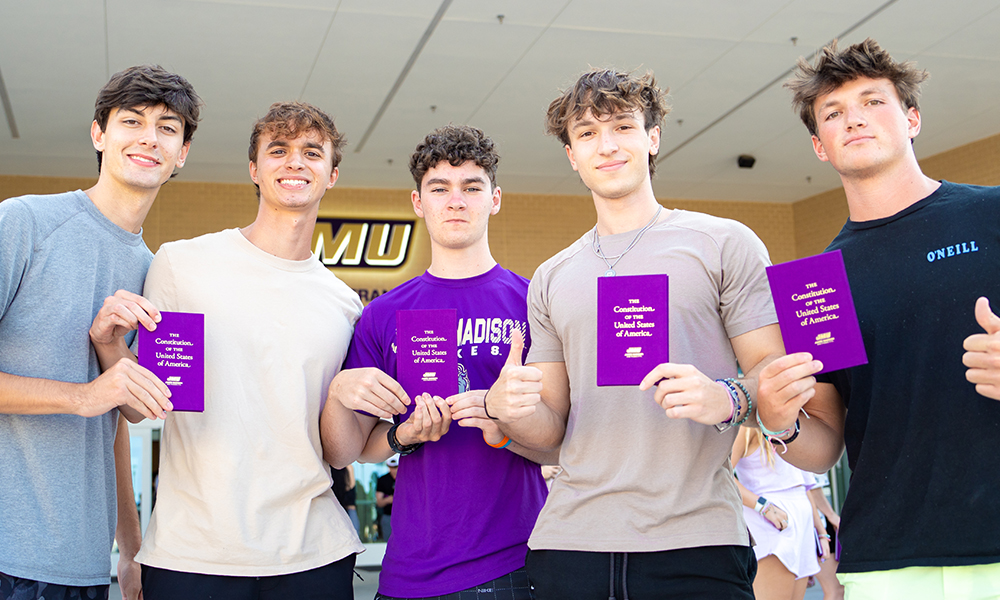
(466, 497)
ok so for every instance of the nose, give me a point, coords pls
(608, 144)
(855, 117)
(148, 135)
(295, 161)
(456, 200)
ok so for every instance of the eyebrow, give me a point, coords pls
(466, 181)
(166, 116)
(620, 116)
(284, 143)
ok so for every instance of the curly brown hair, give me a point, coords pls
(455, 144)
(834, 68)
(606, 92)
(289, 120)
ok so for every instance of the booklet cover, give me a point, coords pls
(632, 327)
(175, 353)
(427, 352)
(816, 311)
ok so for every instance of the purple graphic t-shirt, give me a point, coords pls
(462, 511)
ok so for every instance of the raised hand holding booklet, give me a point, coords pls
(427, 352)
(175, 352)
(816, 311)
(632, 327)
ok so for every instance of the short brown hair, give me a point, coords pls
(289, 120)
(606, 92)
(148, 85)
(455, 144)
(834, 68)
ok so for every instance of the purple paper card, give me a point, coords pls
(175, 353)
(632, 327)
(816, 312)
(427, 352)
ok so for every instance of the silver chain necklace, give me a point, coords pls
(607, 259)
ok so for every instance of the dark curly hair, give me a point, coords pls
(606, 92)
(455, 144)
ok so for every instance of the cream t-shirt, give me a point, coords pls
(634, 480)
(243, 487)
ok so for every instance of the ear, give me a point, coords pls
(333, 177)
(97, 136)
(496, 201)
(417, 207)
(569, 155)
(654, 140)
(913, 118)
(819, 150)
(182, 156)
(253, 172)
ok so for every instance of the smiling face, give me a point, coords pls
(141, 146)
(863, 129)
(294, 173)
(456, 204)
(611, 153)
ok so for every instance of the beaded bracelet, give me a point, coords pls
(746, 393)
(734, 397)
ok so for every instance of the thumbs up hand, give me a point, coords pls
(982, 354)
(517, 391)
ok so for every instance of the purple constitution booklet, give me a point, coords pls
(816, 311)
(632, 327)
(427, 351)
(175, 353)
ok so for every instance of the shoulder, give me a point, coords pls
(719, 230)
(552, 266)
(41, 212)
(964, 192)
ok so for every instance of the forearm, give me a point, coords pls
(109, 354)
(748, 498)
(34, 396)
(541, 432)
(550, 457)
(128, 532)
(377, 448)
(343, 433)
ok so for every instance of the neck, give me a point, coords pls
(884, 194)
(461, 263)
(125, 207)
(627, 213)
(285, 234)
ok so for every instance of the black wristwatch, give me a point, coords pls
(396, 446)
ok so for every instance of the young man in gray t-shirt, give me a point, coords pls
(61, 436)
(646, 502)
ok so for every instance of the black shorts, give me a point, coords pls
(512, 586)
(28, 589)
(331, 582)
(709, 573)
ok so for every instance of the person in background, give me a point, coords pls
(385, 489)
(346, 491)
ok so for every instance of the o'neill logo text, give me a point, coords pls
(362, 244)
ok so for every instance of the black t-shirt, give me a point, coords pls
(922, 444)
(387, 485)
(346, 497)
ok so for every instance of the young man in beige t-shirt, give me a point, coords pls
(646, 503)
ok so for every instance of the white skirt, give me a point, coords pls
(795, 547)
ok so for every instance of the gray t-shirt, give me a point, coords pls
(59, 259)
(634, 480)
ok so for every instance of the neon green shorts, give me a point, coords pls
(976, 582)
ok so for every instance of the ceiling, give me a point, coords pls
(389, 71)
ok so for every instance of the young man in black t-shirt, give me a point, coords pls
(921, 428)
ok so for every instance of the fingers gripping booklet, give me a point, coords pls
(175, 352)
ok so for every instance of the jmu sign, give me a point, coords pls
(363, 244)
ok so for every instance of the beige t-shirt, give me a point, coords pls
(634, 480)
(243, 488)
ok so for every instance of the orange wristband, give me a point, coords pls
(501, 444)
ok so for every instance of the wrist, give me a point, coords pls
(397, 446)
